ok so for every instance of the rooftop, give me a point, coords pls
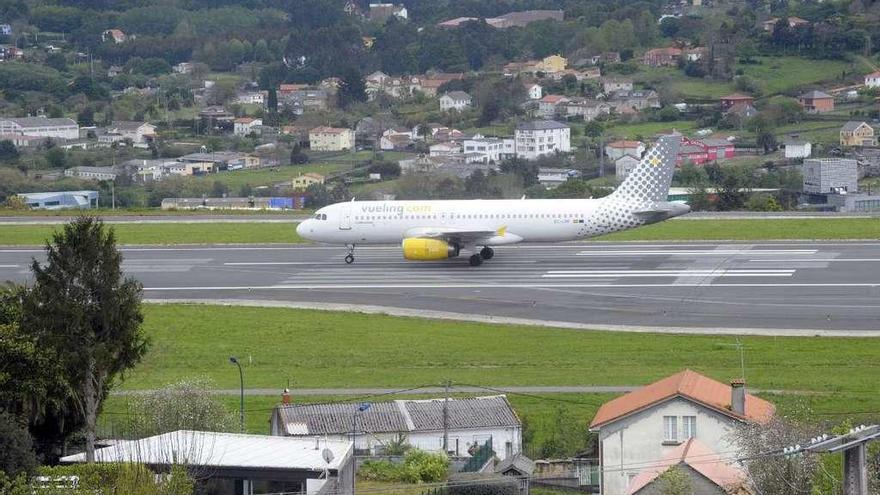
(398, 416)
(329, 130)
(458, 95)
(812, 95)
(852, 125)
(40, 121)
(699, 457)
(690, 385)
(202, 448)
(541, 125)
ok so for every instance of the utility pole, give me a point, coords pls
(447, 384)
(854, 446)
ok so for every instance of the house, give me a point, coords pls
(831, 176)
(430, 83)
(302, 182)
(331, 139)
(22, 141)
(552, 178)
(872, 80)
(57, 200)
(614, 84)
(695, 54)
(40, 127)
(92, 173)
(5, 29)
(617, 149)
(793, 22)
(634, 101)
(550, 105)
(524, 18)
(660, 57)
(701, 151)
(816, 102)
(734, 100)
(114, 35)
(743, 112)
(114, 71)
(444, 149)
(480, 149)
(579, 75)
(251, 98)
(645, 425)
(797, 148)
(300, 98)
(236, 462)
(212, 161)
(533, 140)
(624, 165)
(138, 133)
(534, 91)
(455, 100)
(470, 422)
(245, 125)
(381, 12)
(589, 109)
(8, 53)
(855, 133)
(183, 68)
(707, 471)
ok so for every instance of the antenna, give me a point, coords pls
(742, 356)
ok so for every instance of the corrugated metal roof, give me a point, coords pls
(397, 416)
(226, 450)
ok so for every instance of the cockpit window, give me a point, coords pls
(320, 216)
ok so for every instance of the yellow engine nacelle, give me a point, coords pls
(421, 249)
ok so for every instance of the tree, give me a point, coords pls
(297, 157)
(8, 151)
(86, 117)
(16, 449)
(675, 481)
(272, 100)
(56, 157)
(352, 88)
(80, 301)
(185, 405)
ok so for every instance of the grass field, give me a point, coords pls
(754, 230)
(677, 230)
(310, 349)
(648, 129)
(167, 233)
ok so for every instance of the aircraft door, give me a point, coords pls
(345, 217)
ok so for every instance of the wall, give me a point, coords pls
(639, 439)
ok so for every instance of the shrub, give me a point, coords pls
(418, 467)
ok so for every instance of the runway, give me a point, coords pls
(708, 286)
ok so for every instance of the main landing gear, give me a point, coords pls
(349, 258)
(486, 253)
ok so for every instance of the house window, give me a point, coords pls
(508, 449)
(670, 428)
(689, 426)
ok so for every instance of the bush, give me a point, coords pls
(418, 467)
(16, 449)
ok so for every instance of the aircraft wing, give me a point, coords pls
(466, 237)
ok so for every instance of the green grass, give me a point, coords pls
(310, 349)
(676, 230)
(144, 212)
(648, 129)
(754, 230)
(167, 233)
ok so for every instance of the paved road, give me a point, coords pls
(786, 287)
(256, 218)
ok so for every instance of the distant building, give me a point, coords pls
(114, 35)
(138, 133)
(40, 127)
(637, 429)
(830, 176)
(541, 138)
(302, 182)
(512, 19)
(659, 57)
(245, 125)
(183, 68)
(550, 105)
(92, 173)
(816, 102)
(624, 165)
(797, 148)
(331, 139)
(471, 423)
(617, 149)
(252, 98)
(381, 12)
(445, 149)
(5, 29)
(707, 471)
(213, 161)
(455, 100)
(613, 84)
(857, 134)
(872, 80)
(552, 178)
(734, 100)
(535, 91)
(793, 22)
(553, 63)
(60, 200)
(480, 149)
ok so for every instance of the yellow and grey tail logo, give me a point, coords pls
(654, 161)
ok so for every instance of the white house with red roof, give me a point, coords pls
(245, 125)
(872, 80)
(709, 473)
(647, 425)
(617, 149)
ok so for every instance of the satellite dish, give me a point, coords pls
(327, 454)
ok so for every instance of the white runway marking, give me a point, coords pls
(695, 252)
(509, 286)
(8, 266)
(341, 264)
(816, 260)
(667, 273)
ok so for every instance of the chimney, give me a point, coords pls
(738, 396)
(285, 397)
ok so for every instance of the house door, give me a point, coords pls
(345, 218)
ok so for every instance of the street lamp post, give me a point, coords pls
(363, 406)
(234, 360)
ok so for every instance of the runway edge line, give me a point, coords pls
(501, 320)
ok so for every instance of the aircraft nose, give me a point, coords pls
(303, 229)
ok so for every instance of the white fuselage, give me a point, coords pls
(389, 222)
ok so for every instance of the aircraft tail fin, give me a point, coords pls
(649, 182)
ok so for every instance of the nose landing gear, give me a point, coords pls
(349, 258)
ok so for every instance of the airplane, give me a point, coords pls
(440, 229)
